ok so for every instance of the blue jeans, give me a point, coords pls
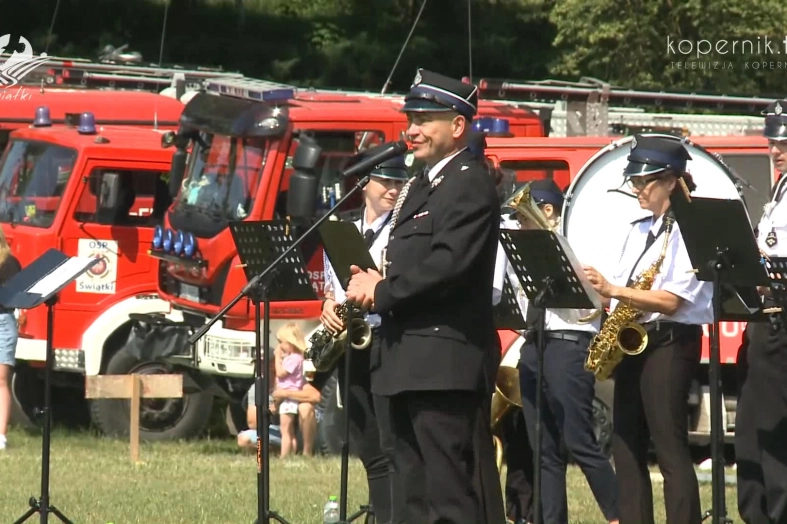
(8, 338)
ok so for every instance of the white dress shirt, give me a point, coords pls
(376, 251)
(555, 319)
(774, 220)
(675, 275)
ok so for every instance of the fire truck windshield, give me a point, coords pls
(33, 177)
(221, 181)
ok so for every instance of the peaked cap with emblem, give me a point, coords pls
(542, 191)
(394, 168)
(434, 92)
(654, 154)
(775, 121)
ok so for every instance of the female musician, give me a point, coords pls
(369, 414)
(652, 388)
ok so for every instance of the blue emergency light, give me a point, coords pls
(42, 118)
(251, 89)
(158, 237)
(177, 246)
(168, 239)
(492, 127)
(87, 124)
(189, 245)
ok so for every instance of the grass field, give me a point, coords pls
(209, 481)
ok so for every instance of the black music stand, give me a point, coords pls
(551, 277)
(508, 314)
(258, 245)
(39, 283)
(344, 247)
(721, 246)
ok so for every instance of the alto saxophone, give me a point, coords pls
(325, 347)
(621, 334)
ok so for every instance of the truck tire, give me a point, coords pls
(160, 419)
(330, 429)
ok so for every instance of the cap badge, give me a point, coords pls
(777, 110)
(417, 80)
(634, 143)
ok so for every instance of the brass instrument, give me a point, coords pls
(325, 347)
(621, 334)
(506, 397)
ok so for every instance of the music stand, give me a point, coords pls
(551, 277)
(508, 314)
(720, 242)
(344, 247)
(259, 244)
(39, 283)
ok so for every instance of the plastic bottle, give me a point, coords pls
(330, 514)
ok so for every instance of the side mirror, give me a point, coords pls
(177, 170)
(303, 182)
(109, 192)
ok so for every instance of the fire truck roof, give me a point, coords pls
(109, 107)
(106, 141)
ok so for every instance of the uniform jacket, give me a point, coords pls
(436, 301)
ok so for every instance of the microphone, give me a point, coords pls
(376, 156)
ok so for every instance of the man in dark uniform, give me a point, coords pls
(761, 422)
(440, 350)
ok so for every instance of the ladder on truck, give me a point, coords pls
(594, 108)
(82, 73)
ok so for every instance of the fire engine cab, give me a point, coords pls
(87, 190)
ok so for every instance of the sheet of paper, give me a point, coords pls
(65, 273)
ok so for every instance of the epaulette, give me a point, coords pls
(637, 221)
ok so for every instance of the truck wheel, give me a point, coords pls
(330, 432)
(26, 396)
(159, 419)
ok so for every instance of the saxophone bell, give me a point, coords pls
(632, 339)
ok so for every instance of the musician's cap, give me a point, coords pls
(394, 168)
(546, 191)
(654, 154)
(775, 121)
(432, 92)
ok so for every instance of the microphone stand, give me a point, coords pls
(256, 286)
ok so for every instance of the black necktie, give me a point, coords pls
(368, 238)
(650, 240)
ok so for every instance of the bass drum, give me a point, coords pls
(599, 207)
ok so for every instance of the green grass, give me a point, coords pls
(94, 482)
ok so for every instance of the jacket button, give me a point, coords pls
(436, 330)
(390, 238)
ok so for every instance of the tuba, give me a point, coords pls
(326, 348)
(621, 334)
(506, 397)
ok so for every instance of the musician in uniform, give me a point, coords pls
(761, 422)
(652, 388)
(569, 389)
(436, 307)
(369, 421)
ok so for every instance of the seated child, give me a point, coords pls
(289, 376)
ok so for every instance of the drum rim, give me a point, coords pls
(615, 144)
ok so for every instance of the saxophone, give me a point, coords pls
(325, 348)
(621, 334)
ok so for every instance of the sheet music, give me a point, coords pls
(577, 266)
(65, 273)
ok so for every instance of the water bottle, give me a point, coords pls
(330, 514)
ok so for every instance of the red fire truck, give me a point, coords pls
(244, 134)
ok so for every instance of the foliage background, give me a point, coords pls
(353, 44)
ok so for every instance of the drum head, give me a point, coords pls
(600, 207)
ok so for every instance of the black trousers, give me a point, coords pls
(370, 434)
(439, 448)
(761, 428)
(568, 415)
(519, 468)
(651, 396)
